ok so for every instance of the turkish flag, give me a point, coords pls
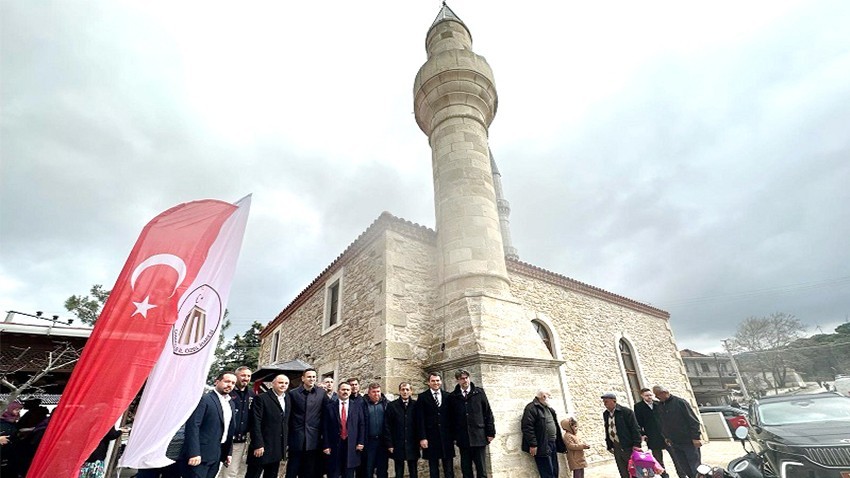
(130, 333)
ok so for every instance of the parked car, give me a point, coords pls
(803, 435)
(735, 417)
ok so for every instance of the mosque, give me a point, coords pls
(404, 299)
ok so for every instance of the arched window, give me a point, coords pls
(631, 370)
(543, 333)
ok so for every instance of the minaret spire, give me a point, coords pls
(504, 211)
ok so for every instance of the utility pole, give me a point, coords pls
(737, 372)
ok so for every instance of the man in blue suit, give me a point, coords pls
(208, 439)
(344, 433)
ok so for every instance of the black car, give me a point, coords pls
(803, 436)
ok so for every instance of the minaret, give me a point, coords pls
(478, 324)
(504, 211)
(455, 102)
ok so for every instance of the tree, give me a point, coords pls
(764, 341)
(63, 355)
(241, 350)
(87, 308)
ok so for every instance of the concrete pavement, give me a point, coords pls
(715, 453)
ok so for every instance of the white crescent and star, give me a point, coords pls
(169, 260)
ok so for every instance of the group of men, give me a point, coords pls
(338, 433)
(662, 420)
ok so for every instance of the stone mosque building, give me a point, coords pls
(403, 299)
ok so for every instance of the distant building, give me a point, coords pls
(404, 300)
(712, 377)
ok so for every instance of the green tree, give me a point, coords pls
(243, 349)
(87, 308)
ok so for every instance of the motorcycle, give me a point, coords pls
(751, 465)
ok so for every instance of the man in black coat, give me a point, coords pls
(681, 428)
(241, 398)
(305, 428)
(344, 433)
(375, 414)
(474, 426)
(622, 433)
(541, 436)
(208, 440)
(434, 429)
(269, 430)
(400, 432)
(649, 426)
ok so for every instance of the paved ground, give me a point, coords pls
(716, 453)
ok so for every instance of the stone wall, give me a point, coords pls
(411, 293)
(356, 347)
(588, 330)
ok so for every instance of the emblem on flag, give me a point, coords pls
(198, 319)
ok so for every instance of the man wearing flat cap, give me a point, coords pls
(474, 426)
(622, 433)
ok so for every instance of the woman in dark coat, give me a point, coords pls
(400, 432)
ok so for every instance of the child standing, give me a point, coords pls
(575, 447)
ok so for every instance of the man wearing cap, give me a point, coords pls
(474, 426)
(622, 433)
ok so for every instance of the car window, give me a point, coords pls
(805, 410)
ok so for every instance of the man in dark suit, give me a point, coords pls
(434, 429)
(344, 433)
(622, 433)
(474, 425)
(400, 432)
(208, 440)
(650, 428)
(269, 429)
(305, 428)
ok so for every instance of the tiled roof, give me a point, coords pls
(387, 221)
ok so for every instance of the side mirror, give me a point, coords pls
(742, 432)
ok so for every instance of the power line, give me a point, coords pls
(798, 287)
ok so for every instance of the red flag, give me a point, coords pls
(129, 336)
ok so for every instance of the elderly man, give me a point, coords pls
(681, 427)
(208, 439)
(540, 434)
(269, 430)
(474, 426)
(622, 432)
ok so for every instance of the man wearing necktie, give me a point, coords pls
(344, 433)
(400, 433)
(434, 428)
(474, 425)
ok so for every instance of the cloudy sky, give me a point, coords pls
(694, 156)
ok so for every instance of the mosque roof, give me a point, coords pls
(387, 221)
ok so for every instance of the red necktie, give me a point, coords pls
(343, 417)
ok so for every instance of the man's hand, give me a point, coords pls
(490, 439)
(423, 444)
(532, 451)
(259, 452)
(4, 440)
(195, 461)
(228, 460)
(327, 451)
(697, 443)
(359, 447)
(390, 450)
